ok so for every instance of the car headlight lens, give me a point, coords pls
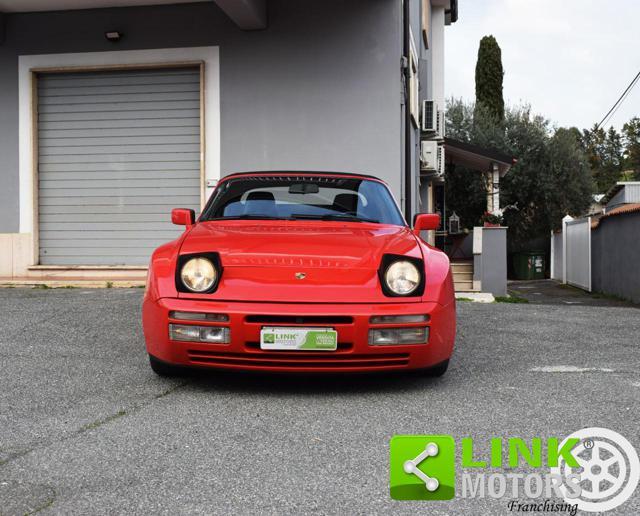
(198, 274)
(402, 277)
(210, 334)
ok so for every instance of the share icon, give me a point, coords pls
(411, 466)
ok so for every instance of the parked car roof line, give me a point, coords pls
(301, 173)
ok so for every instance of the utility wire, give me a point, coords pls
(615, 107)
(622, 101)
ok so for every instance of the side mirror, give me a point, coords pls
(425, 222)
(183, 217)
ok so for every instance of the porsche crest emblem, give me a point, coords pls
(301, 275)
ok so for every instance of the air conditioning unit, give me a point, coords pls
(440, 163)
(429, 156)
(440, 124)
(429, 116)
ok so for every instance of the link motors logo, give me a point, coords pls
(593, 469)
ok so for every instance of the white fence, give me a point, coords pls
(577, 252)
(603, 259)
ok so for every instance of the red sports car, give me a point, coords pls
(301, 272)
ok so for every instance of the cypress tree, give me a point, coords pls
(489, 75)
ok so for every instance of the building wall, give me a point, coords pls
(615, 255)
(432, 88)
(628, 195)
(425, 87)
(437, 55)
(632, 193)
(317, 90)
(490, 259)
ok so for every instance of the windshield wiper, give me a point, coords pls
(329, 216)
(248, 217)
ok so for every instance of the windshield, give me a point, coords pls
(303, 197)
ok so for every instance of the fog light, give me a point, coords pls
(195, 316)
(398, 336)
(210, 334)
(398, 319)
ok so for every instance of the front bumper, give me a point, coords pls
(351, 321)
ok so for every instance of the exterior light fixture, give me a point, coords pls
(113, 35)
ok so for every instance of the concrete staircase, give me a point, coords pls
(463, 275)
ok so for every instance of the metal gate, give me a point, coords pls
(117, 150)
(577, 253)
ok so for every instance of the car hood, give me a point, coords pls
(300, 261)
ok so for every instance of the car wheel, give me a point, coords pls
(437, 370)
(162, 368)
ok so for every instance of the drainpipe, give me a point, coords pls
(408, 165)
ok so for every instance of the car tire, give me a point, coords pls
(162, 368)
(436, 370)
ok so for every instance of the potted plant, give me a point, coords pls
(492, 220)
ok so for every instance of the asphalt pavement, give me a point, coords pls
(550, 292)
(87, 428)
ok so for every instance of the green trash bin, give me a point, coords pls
(529, 265)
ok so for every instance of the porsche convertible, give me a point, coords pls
(300, 272)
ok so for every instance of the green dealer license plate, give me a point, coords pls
(314, 339)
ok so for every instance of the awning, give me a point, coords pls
(475, 157)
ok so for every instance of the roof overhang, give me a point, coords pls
(450, 10)
(26, 6)
(451, 14)
(247, 14)
(476, 158)
(618, 210)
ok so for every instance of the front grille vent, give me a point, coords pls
(297, 361)
(312, 320)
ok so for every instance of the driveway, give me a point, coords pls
(87, 428)
(550, 292)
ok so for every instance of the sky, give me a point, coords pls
(569, 59)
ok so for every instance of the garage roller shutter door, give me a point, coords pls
(117, 151)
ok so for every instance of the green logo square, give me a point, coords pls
(422, 467)
(269, 338)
